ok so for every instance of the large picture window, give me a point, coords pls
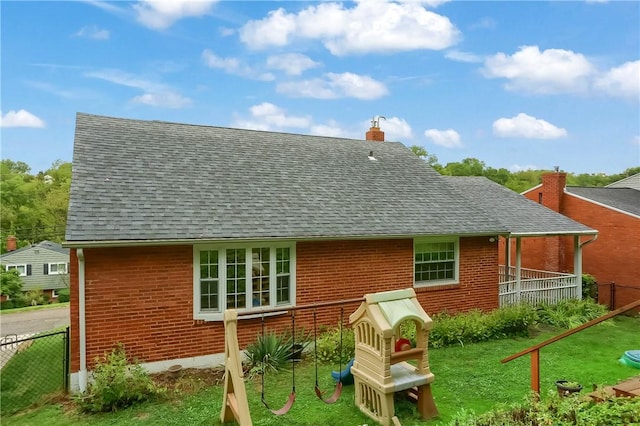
(435, 261)
(242, 277)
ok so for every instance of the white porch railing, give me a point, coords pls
(535, 286)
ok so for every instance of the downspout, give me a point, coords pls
(577, 261)
(519, 268)
(82, 332)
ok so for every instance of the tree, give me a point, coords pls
(430, 159)
(10, 283)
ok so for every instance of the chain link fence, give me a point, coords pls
(33, 368)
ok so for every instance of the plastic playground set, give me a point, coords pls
(379, 369)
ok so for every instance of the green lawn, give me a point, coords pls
(469, 378)
(33, 308)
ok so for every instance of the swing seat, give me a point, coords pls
(287, 406)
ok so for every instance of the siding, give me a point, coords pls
(37, 257)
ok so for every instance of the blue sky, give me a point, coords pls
(515, 84)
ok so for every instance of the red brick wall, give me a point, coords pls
(143, 296)
(611, 258)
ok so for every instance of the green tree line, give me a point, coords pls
(518, 181)
(33, 207)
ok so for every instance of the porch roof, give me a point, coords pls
(521, 216)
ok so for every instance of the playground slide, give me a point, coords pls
(347, 377)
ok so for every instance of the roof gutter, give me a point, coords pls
(191, 241)
(552, 234)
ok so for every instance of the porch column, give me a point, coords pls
(507, 260)
(577, 265)
(518, 267)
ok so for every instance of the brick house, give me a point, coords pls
(170, 224)
(42, 266)
(615, 212)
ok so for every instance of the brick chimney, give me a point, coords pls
(374, 133)
(12, 243)
(553, 190)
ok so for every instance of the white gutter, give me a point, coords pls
(82, 374)
(597, 203)
(165, 242)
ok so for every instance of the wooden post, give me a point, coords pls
(535, 371)
(234, 405)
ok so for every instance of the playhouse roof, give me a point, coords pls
(387, 309)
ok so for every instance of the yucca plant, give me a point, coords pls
(269, 353)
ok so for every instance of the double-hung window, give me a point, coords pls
(436, 261)
(242, 277)
(22, 269)
(57, 268)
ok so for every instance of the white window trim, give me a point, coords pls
(16, 265)
(456, 269)
(57, 272)
(54, 295)
(222, 271)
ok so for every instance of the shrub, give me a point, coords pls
(6, 304)
(34, 297)
(117, 384)
(268, 353)
(589, 287)
(328, 348)
(569, 313)
(63, 295)
(557, 411)
(476, 326)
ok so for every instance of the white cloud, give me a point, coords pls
(370, 26)
(161, 14)
(622, 81)
(636, 140)
(528, 127)
(394, 128)
(267, 116)
(291, 63)
(332, 129)
(163, 99)
(234, 66)
(459, 56)
(485, 23)
(155, 94)
(20, 118)
(518, 168)
(93, 32)
(333, 86)
(448, 138)
(549, 71)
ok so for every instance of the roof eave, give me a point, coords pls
(552, 233)
(191, 241)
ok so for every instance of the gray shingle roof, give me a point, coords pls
(48, 245)
(150, 180)
(625, 199)
(632, 181)
(516, 212)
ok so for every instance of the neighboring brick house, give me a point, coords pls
(170, 224)
(43, 266)
(615, 212)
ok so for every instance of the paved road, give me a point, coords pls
(34, 321)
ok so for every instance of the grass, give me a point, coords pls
(33, 308)
(33, 372)
(467, 377)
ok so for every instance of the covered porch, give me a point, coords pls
(525, 285)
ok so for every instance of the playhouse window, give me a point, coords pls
(242, 277)
(435, 261)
